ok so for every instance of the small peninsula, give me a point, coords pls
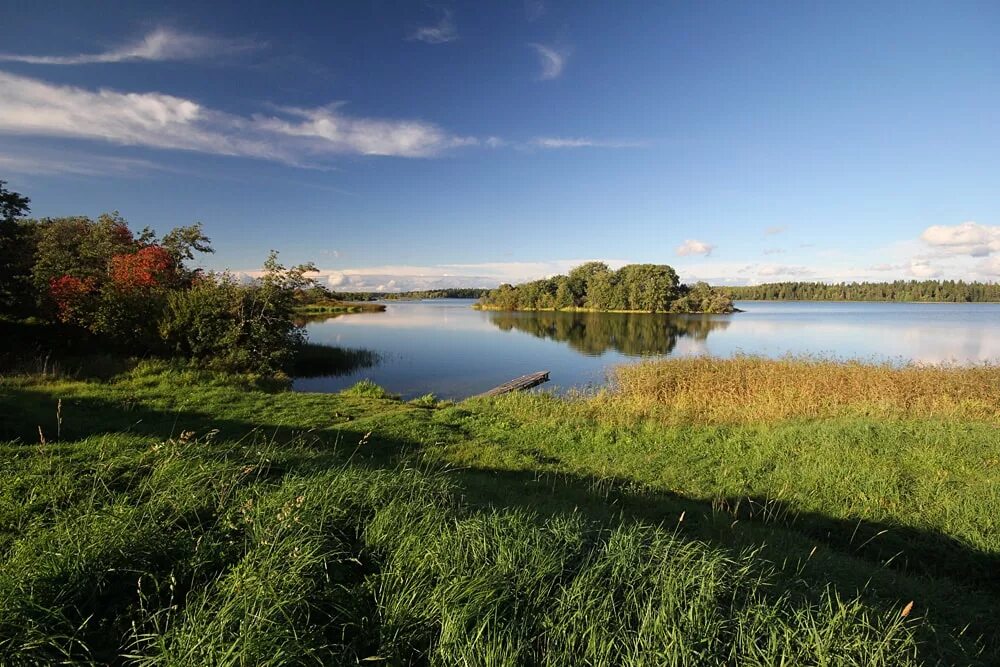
(593, 286)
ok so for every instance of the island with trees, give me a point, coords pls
(593, 286)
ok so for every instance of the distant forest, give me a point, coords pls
(444, 293)
(646, 288)
(949, 291)
(615, 290)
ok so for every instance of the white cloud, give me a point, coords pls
(162, 44)
(291, 135)
(694, 247)
(989, 268)
(344, 134)
(969, 238)
(551, 60)
(775, 229)
(887, 267)
(922, 268)
(774, 270)
(580, 142)
(441, 32)
(774, 251)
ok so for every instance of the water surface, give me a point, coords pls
(446, 348)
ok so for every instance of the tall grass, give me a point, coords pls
(748, 389)
(204, 553)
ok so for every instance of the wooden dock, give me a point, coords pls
(518, 384)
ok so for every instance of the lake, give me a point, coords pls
(446, 348)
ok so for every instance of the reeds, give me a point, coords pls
(746, 389)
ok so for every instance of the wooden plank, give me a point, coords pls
(518, 384)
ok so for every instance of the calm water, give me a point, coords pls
(447, 348)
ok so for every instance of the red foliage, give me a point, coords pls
(121, 234)
(68, 292)
(147, 267)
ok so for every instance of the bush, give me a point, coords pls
(235, 326)
(367, 389)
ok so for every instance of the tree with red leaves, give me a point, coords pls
(152, 266)
(100, 276)
(71, 296)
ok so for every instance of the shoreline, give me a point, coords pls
(597, 310)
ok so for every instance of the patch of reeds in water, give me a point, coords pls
(747, 389)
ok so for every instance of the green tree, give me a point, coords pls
(17, 241)
(580, 278)
(564, 296)
(79, 247)
(601, 292)
(648, 287)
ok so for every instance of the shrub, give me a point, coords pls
(367, 389)
(234, 326)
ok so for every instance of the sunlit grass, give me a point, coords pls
(757, 390)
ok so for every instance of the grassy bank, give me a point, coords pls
(175, 516)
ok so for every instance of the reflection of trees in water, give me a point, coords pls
(595, 333)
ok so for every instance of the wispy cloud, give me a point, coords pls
(61, 162)
(581, 142)
(776, 270)
(775, 229)
(922, 268)
(694, 247)
(340, 133)
(290, 135)
(441, 32)
(162, 44)
(551, 60)
(534, 10)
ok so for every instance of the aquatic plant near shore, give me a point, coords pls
(746, 389)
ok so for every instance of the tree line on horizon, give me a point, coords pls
(947, 291)
(650, 288)
(439, 293)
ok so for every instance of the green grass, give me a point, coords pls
(180, 517)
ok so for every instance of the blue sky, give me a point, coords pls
(401, 145)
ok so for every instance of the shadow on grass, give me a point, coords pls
(953, 583)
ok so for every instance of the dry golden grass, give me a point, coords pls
(756, 390)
